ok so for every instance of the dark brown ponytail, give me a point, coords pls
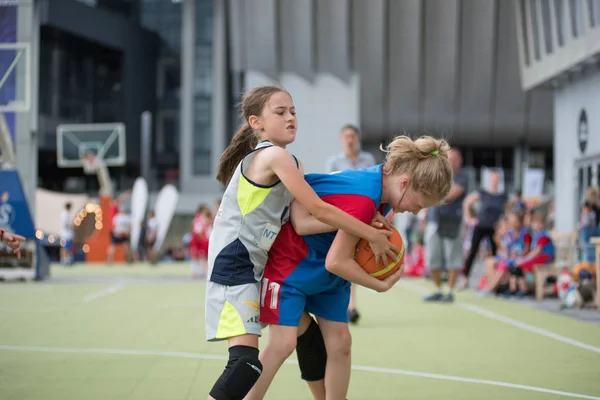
(243, 142)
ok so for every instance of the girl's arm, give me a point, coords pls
(340, 261)
(468, 203)
(532, 254)
(306, 224)
(283, 165)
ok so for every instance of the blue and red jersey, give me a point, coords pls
(543, 241)
(296, 264)
(357, 192)
(520, 242)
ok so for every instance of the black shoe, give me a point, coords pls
(438, 296)
(353, 316)
(448, 298)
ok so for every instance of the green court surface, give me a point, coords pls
(137, 332)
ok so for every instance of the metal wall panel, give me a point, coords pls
(477, 67)
(370, 54)
(260, 34)
(333, 37)
(425, 66)
(404, 66)
(509, 107)
(296, 37)
(441, 65)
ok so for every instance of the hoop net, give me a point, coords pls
(90, 163)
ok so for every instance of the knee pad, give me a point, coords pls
(241, 373)
(312, 356)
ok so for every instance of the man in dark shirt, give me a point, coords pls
(444, 233)
(492, 206)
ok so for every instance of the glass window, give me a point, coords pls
(595, 13)
(164, 18)
(202, 135)
(45, 88)
(171, 134)
(559, 8)
(202, 139)
(580, 180)
(546, 28)
(535, 18)
(484, 157)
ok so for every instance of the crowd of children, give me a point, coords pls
(523, 243)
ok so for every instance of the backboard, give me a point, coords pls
(15, 77)
(75, 141)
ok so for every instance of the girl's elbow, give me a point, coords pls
(332, 266)
(300, 229)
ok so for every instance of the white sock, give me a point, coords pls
(195, 267)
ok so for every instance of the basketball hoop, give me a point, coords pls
(90, 163)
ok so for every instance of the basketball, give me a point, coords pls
(366, 259)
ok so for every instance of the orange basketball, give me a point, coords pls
(366, 259)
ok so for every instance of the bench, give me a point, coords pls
(596, 242)
(565, 247)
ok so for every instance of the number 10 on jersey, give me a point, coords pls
(273, 288)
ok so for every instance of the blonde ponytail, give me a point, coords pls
(425, 160)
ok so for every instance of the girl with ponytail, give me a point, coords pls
(261, 178)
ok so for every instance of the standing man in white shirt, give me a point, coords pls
(351, 158)
(121, 231)
(66, 234)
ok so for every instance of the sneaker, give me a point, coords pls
(520, 294)
(449, 298)
(485, 292)
(434, 297)
(353, 316)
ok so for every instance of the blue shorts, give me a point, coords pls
(288, 290)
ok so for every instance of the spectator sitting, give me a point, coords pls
(516, 241)
(589, 224)
(542, 253)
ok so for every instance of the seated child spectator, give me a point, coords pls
(502, 238)
(542, 253)
(516, 242)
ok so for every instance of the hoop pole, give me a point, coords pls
(104, 179)
(6, 145)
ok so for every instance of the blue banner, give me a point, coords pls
(15, 215)
(8, 34)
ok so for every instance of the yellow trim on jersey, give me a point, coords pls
(249, 196)
(390, 265)
(230, 323)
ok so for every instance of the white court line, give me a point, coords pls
(354, 367)
(37, 310)
(506, 320)
(104, 292)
